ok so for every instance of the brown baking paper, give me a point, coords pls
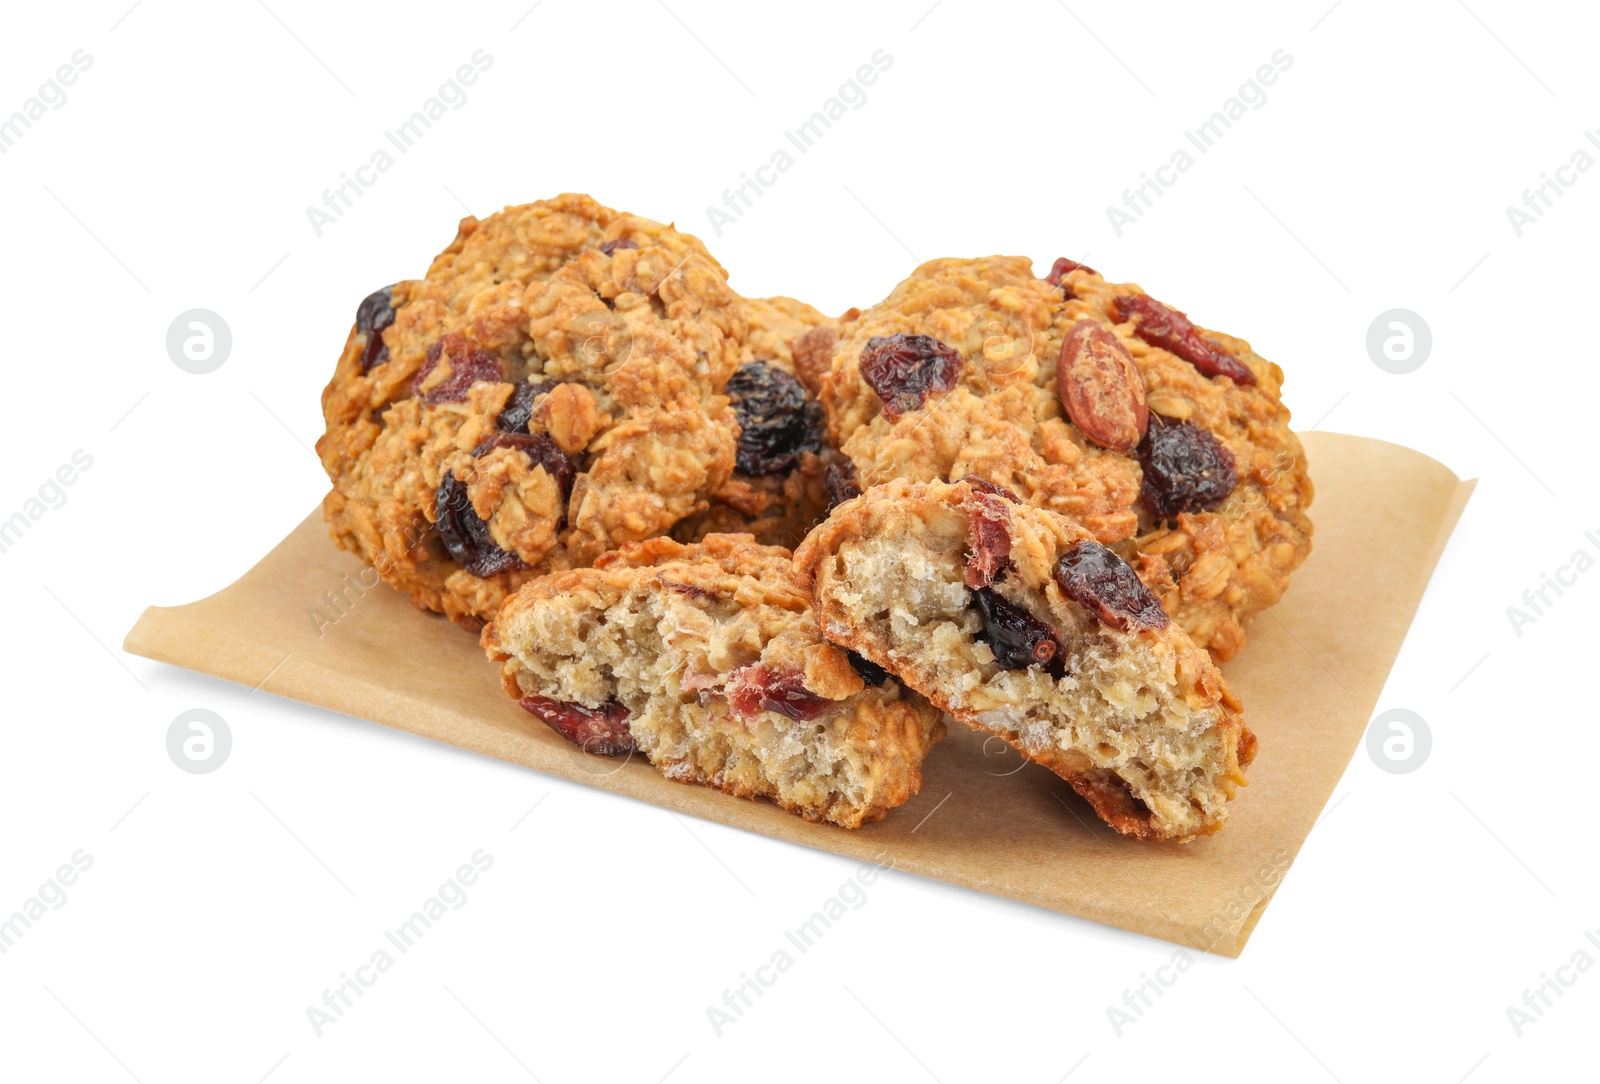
(1309, 677)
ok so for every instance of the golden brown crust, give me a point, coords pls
(1141, 723)
(678, 634)
(637, 342)
(1004, 422)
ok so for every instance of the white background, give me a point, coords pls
(176, 176)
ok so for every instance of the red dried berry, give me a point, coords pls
(989, 538)
(776, 420)
(753, 689)
(1171, 330)
(1063, 267)
(608, 247)
(905, 369)
(995, 488)
(373, 315)
(843, 483)
(603, 730)
(1186, 469)
(468, 365)
(1094, 577)
(1017, 638)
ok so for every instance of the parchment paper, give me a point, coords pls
(1309, 677)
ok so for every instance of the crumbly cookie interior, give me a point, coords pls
(671, 659)
(1117, 718)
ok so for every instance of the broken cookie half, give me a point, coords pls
(706, 659)
(1014, 620)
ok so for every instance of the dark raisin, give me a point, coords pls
(464, 533)
(1017, 638)
(989, 538)
(1064, 267)
(468, 365)
(842, 482)
(1186, 469)
(603, 730)
(992, 487)
(1171, 330)
(870, 672)
(542, 451)
(905, 369)
(518, 411)
(1095, 578)
(754, 688)
(776, 421)
(373, 315)
(608, 247)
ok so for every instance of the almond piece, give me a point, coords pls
(1101, 388)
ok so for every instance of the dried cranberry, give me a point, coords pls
(1094, 577)
(468, 365)
(373, 315)
(465, 535)
(1186, 469)
(754, 688)
(1171, 330)
(608, 247)
(519, 411)
(989, 537)
(1017, 638)
(842, 481)
(776, 421)
(1063, 267)
(870, 672)
(905, 369)
(603, 730)
(995, 488)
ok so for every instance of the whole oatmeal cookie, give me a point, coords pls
(1016, 621)
(1169, 443)
(707, 660)
(778, 490)
(550, 389)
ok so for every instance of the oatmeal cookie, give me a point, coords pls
(550, 389)
(1015, 620)
(1167, 442)
(777, 491)
(706, 659)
